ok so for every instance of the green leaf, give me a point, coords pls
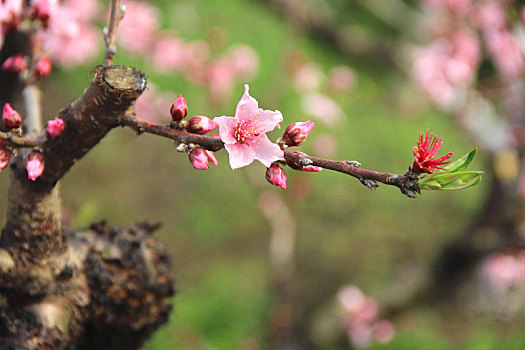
(451, 181)
(459, 164)
(430, 185)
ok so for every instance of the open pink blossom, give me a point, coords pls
(244, 135)
(35, 165)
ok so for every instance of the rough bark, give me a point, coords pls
(106, 287)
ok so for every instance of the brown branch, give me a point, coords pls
(407, 183)
(110, 32)
(23, 141)
(141, 126)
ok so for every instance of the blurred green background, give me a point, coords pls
(218, 236)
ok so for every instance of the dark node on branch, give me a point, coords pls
(409, 186)
(353, 163)
(371, 184)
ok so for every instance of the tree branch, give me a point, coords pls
(110, 33)
(407, 183)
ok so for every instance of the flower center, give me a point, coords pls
(245, 132)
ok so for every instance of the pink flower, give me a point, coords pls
(43, 67)
(296, 133)
(199, 158)
(342, 78)
(244, 135)
(55, 127)
(201, 125)
(35, 165)
(276, 176)
(70, 36)
(12, 119)
(179, 109)
(426, 149)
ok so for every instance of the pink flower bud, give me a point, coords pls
(179, 109)
(12, 119)
(5, 154)
(35, 165)
(55, 127)
(211, 157)
(16, 64)
(312, 169)
(201, 125)
(43, 67)
(199, 158)
(276, 175)
(295, 134)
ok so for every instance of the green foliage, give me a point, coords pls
(453, 177)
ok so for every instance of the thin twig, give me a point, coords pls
(110, 32)
(19, 141)
(407, 183)
(141, 126)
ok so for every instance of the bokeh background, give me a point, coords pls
(258, 267)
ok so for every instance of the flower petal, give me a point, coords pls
(226, 125)
(270, 119)
(267, 152)
(240, 155)
(247, 106)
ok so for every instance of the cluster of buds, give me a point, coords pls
(196, 125)
(15, 64)
(294, 135)
(360, 318)
(198, 156)
(18, 64)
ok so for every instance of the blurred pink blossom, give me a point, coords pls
(137, 29)
(154, 106)
(457, 7)
(70, 37)
(168, 53)
(502, 270)
(490, 15)
(506, 52)
(270, 202)
(322, 107)
(360, 318)
(445, 67)
(308, 77)
(244, 60)
(325, 145)
(341, 79)
(384, 331)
